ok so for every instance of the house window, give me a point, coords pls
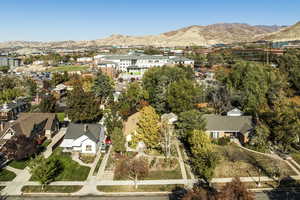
(214, 134)
(88, 147)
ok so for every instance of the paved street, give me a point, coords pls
(259, 196)
(159, 197)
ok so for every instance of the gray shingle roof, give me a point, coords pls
(240, 124)
(94, 131)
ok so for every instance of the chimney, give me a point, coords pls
(85, 127)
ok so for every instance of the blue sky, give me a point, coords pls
(49, 20)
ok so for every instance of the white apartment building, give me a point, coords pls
(142, 61)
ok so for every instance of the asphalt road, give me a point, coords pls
(164, 197)
(259, 196)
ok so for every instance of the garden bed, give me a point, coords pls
(242, 163)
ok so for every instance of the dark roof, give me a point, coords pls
(26, 122)
(93, 131)
(240, 124)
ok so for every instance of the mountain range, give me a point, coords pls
(193, 35)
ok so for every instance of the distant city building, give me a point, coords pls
(11, 62)
(85, 60)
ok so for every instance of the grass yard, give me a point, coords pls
(238, 162)
(21, 164)
(52, 188)
(296, 156)
(6, 175)
(67, 68)
(98, 165)
(141, 188)
(71, 170)
(61, 116)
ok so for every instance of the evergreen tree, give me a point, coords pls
(118, 140)
(103, 87)
(48, 104)
(82, 106)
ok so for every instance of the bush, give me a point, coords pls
(221, 141)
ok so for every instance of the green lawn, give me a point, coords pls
(141, 188)
(6, 175)
(52, 188)
(67, 68)
(71, 170)
(21, 164)
(98, 165)
(61, 116)
(296, 156)
(242, 163)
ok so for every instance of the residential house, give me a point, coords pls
(9, 111)
(83, 138)
(35, 125)
(232, 125)
(60, 90)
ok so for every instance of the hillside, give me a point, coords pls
(286, 34)
(192, 35)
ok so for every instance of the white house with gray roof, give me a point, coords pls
(83, 138)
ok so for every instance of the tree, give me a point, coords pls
(200, 193)
(134, 169)
(182, 95)
(199, 142)
(82, 106)
(260, 137)
(132, 100)
(4, 69)
(203, 159)
(58, 78)
(235, 190)
(118, 140)
(32, 87)
(44, 170)
(156, 81)
(187, 122)
(148, 128)
(214, 59)
(286, 129)
(20, 147)
(112, 120)
(48, 104)
(204, 164)
(103, 87)
(220, 99)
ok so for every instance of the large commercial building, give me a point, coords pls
(137, 64)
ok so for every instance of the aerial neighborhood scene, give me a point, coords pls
(177, 100)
